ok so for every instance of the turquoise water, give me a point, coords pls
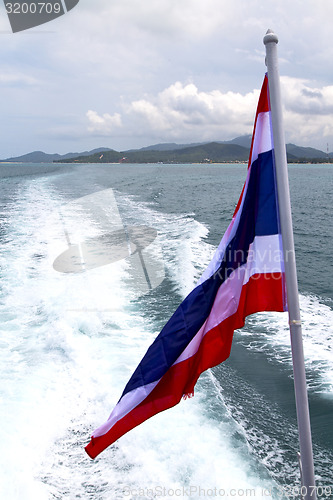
(70, 341)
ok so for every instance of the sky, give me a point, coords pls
(126, 74)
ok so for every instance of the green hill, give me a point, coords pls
(41, 157)
(236, 150)
(305, 153)
(204, 153)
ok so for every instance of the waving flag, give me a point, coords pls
(246, 275)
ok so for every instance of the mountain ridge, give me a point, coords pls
(235, 150)
(41, 157)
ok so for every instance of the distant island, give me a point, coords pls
(234, 151)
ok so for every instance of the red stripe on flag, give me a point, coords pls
(263, 103)
(263, 107)
(262, 293)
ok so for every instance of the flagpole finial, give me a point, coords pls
(270, 37)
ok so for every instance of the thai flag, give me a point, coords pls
(246, 275)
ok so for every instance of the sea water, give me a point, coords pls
(71, 337)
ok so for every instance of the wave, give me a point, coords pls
(72, 340)
(269, 332)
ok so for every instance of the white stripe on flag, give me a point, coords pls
(262, 141)
(127, 403)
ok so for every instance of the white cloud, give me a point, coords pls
(103, 125)
(299, 96)
(308, 111)
(184, 111)
(8, 79)
(130, 53)
(158, 17)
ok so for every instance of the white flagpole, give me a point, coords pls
(302, 407)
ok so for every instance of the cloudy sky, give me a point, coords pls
(129, 73)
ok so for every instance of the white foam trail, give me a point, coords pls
(47, 355)
(317, 328)
(267, 448)
(69, 346)
(185, 253)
